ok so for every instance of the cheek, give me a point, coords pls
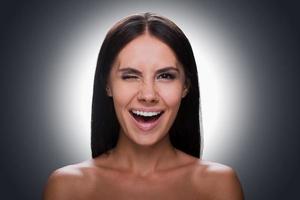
(171, 95)
(123, 93)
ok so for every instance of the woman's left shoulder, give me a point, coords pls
(219, 179)
(213, 170)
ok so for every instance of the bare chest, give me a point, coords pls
(122, 187)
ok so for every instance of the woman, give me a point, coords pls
(145, 122)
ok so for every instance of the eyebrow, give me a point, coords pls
(131, 70)
(165, 69)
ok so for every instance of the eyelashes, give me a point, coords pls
(162, 76)
(167, 76)
(126, 77)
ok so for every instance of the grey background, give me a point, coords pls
(32, 32)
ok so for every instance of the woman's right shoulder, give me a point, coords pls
(69, 182)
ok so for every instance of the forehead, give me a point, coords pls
(148, 51)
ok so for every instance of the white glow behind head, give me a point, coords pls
(222, 82)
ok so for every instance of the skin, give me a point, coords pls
(144, 164)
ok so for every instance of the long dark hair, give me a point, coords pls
(185, 131)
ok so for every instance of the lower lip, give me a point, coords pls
(146, 126)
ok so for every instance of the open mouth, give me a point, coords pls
(145, 117)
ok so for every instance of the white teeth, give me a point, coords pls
(145, 114)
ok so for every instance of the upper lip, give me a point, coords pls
(147, 109)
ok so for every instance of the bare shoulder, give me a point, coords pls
(220, 181)
(69, 182)
(214, 170)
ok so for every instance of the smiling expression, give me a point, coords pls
(147, 84)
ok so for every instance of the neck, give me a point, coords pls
(144, 160)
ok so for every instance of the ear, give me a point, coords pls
(186, 88)
(108, 91)
(185, 91)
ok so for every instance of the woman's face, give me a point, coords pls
(146, 83)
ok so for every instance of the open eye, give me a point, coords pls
(167, 76)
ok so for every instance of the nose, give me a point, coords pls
(148, 93)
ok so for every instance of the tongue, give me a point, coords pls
(145, 119)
